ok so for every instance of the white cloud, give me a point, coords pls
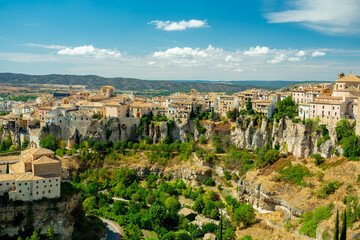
(180, 25)
(89, 50)
(300, 53)
(318, 54)
(43, 46)
(327, 16)
(256, 51)
(277, 59)
(294, 59)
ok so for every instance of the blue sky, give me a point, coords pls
(210, 40)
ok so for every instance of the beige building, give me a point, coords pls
(138, 109)
(225, 104)
(108, 91)
(114, 109)
(328, 109)
(38, 175)
(347, 86)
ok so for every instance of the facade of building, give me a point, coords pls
(38, 175)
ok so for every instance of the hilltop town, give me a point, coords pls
(226, 149)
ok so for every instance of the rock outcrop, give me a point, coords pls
(16, 217)
(296, 138)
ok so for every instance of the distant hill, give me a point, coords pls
(121, 84)
(133, 84)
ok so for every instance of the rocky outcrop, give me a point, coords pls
(16, 217)
(112, 129)
(296, 138)
(264, 200)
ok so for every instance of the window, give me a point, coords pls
(37, 193)
(19, 184)
(49, 191)
(7, 184)
(19, 191)
(26, 183)
(58, 179)
(49, 180)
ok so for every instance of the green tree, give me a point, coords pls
(248, 105)
(172, 203)
(343, 227)
(35, 236)
(344, 129)
(20, 238)
(7, 168)
(336, 230)
(49, 142)
(352, 147)
(199, 204)
(244, 214)
(50, 233)
(89, 203)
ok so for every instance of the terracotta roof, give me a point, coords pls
(15, 168)
(187, 211)
(328, 102)
(43, 151)
(45, 159)
(349, 78)
(7, 177)
(31, 176)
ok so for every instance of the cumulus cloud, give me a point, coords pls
(327, 16)
(89, 50)
(318, 54)
(257, 51)
(180, 25)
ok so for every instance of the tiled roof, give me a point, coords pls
(45, 159)
(6, 177)
(349, 78)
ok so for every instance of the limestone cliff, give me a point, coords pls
(15, 217)
(296, 138)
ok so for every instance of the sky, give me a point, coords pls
(182, 40)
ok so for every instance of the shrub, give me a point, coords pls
(311, 219)
(327, 188)
(318, 159)
(209, 182)
(294, 174)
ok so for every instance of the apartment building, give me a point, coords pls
(328, 109)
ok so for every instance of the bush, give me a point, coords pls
(311, 219)
(352, 147)
(327, 188)
(318, 159)
(294, 174)
(209, 182)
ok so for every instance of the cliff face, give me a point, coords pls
(295, 138)
(41, 215)
(112, 129)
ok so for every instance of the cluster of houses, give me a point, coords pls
(330, 102)
(37, 172)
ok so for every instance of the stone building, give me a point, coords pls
(108, 91)
(115, 109)
(38, 175)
